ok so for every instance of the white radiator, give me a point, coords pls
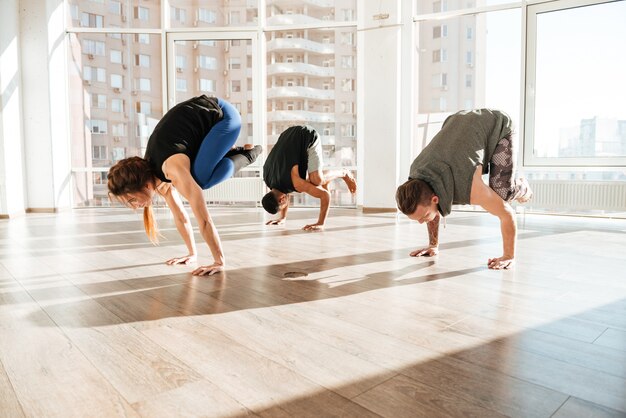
(583, 195)
(238, 189)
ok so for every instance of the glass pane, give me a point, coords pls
(466, 62)
(299, 12)
(580, 99)
(311, 80)
(114, 14)
(213, 13)
(220, 68)
(117, 101)
(437, 6)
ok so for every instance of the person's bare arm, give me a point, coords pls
(183, 224)
(484, 196)
(178, 170)
(433, 240)
(318, 192)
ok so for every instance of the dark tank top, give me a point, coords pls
(290, 149)
(181, 131)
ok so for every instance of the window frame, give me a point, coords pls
(530, 160)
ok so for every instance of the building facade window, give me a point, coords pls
(142, 13)
(97, 126)
(206, 15)
(90, 20)
(142, 84)
(142, 60)
(206, 62)
(207, 85)
(144, 108)
(142, 38)
(92, 48)
(117, 82)
(117, 105)
(98, 101)
(181, 62)
(234, 63)
(94, 74)
(116, 56)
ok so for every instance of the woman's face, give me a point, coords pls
(139, 200)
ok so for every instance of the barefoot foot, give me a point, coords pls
(350, 182)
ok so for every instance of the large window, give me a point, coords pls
(576, 108)
(103, 88)
(311, 80)
(116, 81)
(456, 72)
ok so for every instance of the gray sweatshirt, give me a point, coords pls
(467, 139)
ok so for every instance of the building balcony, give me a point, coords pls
(300, 93)
(300, 116)
(300, 68)
(299, 44)
(294, 19)
(323, 4)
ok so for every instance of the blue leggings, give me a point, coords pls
(210, 167)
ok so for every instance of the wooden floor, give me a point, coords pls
(333, 323)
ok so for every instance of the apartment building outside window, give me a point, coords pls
(116, 56)
(97, 126)
(133, 63)
(144, 108)
(91, 47)
(91, 20)
(98, 101)
(117, 81)
(177, 13)
(142, 60)
(206, 62)
(142, 38)
(207, 85)
(117, 105)
(142, 13)
(94, 74)
(99, 152)
(181, 62)
(206, 15)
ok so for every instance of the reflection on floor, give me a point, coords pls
(333, 323)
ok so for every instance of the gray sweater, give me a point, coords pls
(467, 139)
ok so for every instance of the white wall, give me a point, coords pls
(384, 104)
(12, 200)
(44, 74)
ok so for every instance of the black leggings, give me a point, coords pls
(502, 171)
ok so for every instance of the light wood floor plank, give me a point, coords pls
(612, 338)
(577, 408)
(197, 399)
(404, 397)
(9, 405)
(49, 374)
(93, 322)
(253, 380)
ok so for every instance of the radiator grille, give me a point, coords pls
(238, 189)
(565, 195)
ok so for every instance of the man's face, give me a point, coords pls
(283, 201)
(426, 213)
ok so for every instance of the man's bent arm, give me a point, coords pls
(433, 232)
